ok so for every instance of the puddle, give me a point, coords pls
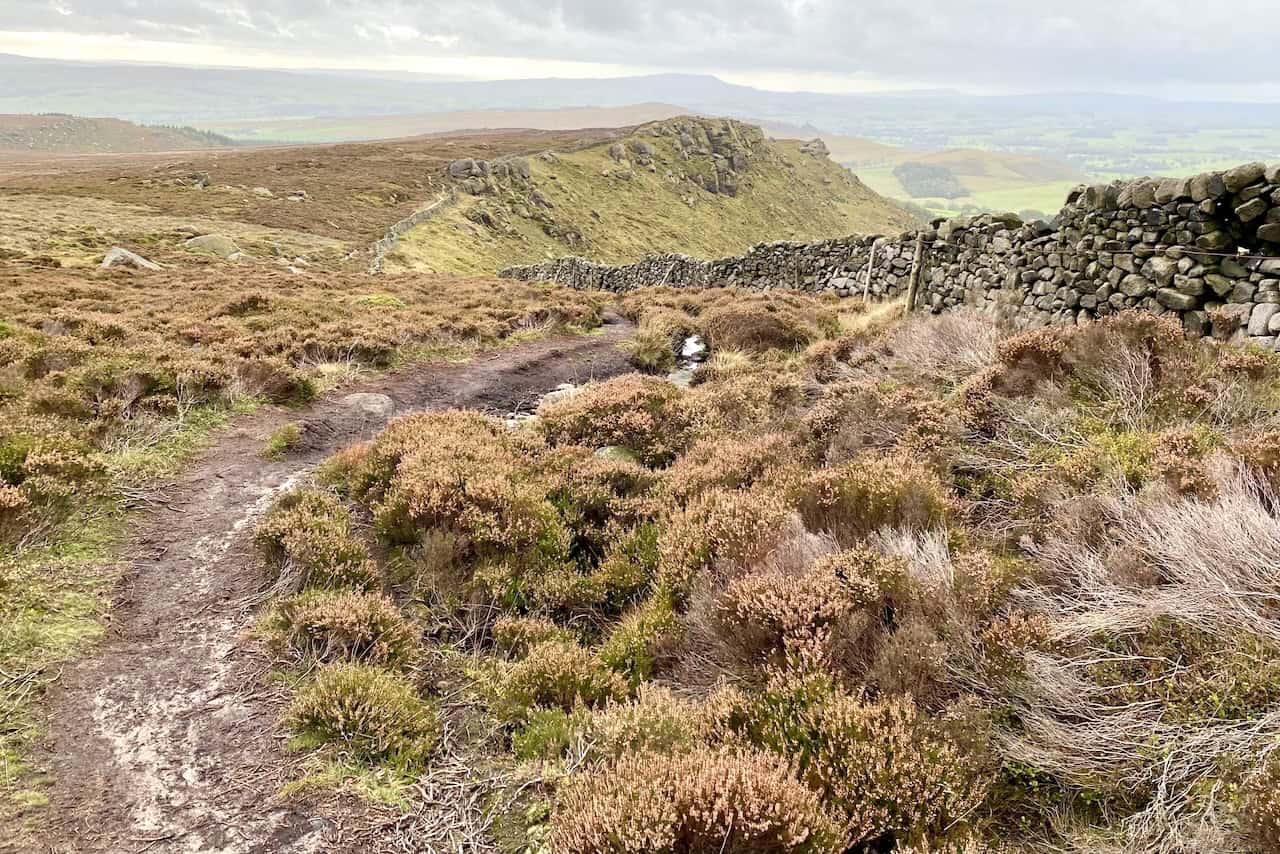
(692, 354)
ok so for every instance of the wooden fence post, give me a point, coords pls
(917, 264)
(871, 262)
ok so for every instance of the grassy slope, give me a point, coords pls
(785, 195)
(997, 180)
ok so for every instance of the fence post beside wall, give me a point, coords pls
(917, 265)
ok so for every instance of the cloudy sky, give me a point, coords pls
(1224, 49)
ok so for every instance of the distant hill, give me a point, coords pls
(704, 187)
(361, 128)
(54, 133)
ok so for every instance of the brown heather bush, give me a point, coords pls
(699, 802)
(859, 416)
(1260, 814)
(869, 493)
(756, 400)
(374, 715)
(890, 771)
(730, 462)
(771, 617)
(554, 674)
(516, 636)
(328, 627)
(307, 541)
(719, 532)
(755, 328)
(643, 414)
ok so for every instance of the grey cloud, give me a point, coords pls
(1113, 44)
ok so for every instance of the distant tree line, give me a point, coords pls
(928, 181)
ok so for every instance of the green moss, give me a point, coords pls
(282, 440)
(380, 301)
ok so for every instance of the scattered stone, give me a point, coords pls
(375, 407)
(618, 454)
(120, 257)
(215, 244)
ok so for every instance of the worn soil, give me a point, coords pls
(166, 739)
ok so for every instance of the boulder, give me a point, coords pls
(1171, 299)
(264, 192)
(1251, 210)
(1134, 285)
(618, 152)
(1206, 186)
(214, 244)
(120, 257)
(1260, 318)
(1270, 232)
(460, 169)
(1240, 177)
(375, 407)
(1161, 269)
(618, 454)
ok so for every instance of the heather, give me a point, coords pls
(918, 585)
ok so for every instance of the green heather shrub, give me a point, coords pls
(342, 626)
(554, 674)
(869, 493)
(307, 541)
(636, 643)
(42, 477)
(640, 413)
(655, 721)
(696, 802)
(600, 498)
(372, 714)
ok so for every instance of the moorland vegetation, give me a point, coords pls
(865, 585)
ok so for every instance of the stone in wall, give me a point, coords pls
(1205, 249)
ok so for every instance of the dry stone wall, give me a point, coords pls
(1206, 249)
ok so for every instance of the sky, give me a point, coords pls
(1159, 47)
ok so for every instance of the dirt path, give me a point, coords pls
(165, 739)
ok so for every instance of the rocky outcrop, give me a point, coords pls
(1205, 249)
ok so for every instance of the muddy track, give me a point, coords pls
(165, 739)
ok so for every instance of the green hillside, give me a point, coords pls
(705, 187)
